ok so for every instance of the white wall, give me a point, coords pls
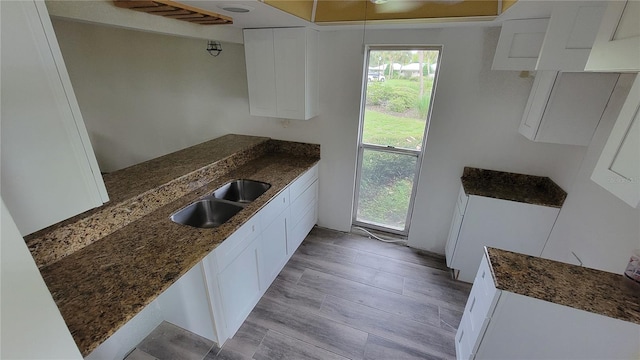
(144, 95)
(31, 326)
(599, 228)
(476, 114)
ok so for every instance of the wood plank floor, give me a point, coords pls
(340, 296)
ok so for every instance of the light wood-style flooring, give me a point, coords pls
(340, 296)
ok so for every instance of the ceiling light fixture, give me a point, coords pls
(235, 8)
(214, 48)
(379, 2)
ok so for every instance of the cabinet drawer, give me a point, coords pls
(302, 183)
(274, 208)
(230, 248)
(300, 231)
(463, 349)
(484, 277)
(300, 205)
(482, 300)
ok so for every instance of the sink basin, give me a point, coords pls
(241, 191)
(207, 213)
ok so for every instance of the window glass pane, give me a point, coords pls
(399, 84)
(385, 188)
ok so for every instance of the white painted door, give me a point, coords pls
(239, 286)
(273, 249)
(290, 52)
(261, 73)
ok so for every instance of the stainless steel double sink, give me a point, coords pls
(218, 207)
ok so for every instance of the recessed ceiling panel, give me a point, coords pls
(300, 8)
(359, 10)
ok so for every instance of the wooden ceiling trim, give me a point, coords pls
(174, 10)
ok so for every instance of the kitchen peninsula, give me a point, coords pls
(104, 266)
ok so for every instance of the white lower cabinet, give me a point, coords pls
(499, 324)
(482, 221)
(240, 270)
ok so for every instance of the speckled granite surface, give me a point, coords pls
(102, 285)
(578, 287)
(528, 189)
(140, 189)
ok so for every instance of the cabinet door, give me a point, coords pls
(503, 224)
(575, 107)
(477, 312)
(537, 102)
(240, 287)
(519, 44)
(617, 45)
(273, 250)
(573, 27)
(290, 51)
(618, 169)
(454, 231)
(261, 74)
(49, 170)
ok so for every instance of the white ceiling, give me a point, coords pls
(263, 16)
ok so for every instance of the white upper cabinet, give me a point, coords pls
(617, 45)
(519, 44)
(49, 170)
(565, 107)
(282, 72)
(618, 169)
(562, 42)
(572, 30)
(261, 75)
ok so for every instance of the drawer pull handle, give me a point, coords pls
(473, 303)
(461, 335)
(483, 273)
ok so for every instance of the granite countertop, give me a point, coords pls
(102, 285)
(523, 188)
(591, 290)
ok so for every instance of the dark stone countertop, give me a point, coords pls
(591, 290)
(529, 189)
(100, 286)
